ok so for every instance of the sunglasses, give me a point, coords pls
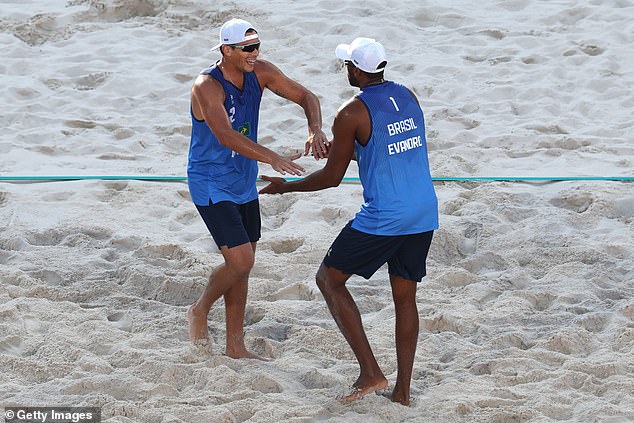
(249, 48)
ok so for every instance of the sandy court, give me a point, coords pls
(527, 312)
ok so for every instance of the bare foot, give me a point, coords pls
(397, 397)
(198, 331)
(243, 353)
(359, 391)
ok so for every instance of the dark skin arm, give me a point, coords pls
(351, 122)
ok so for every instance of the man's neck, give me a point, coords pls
(372, 82)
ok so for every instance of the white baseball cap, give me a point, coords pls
(234, 32)
(365, 53)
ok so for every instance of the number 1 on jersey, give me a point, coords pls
(395, 105)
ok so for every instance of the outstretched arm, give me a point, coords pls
(207, 102)
(274, 79)
(341, 152)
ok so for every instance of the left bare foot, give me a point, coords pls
(243, 353)
(397, 397)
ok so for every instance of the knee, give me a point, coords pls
(241, 267)
(322, 279)
(324, 283)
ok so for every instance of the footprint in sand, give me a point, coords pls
(511, 340)
(162, 252)
(91, 81)
(3, 198)
(595, 322)
(446, 248)
(574, 201)
(121, 320)
(6, 256)
(485, 262)
(40, 29)
(11, 345)
(48, 276)
(493, 33)
(335, 216)
(276, 209)
(624, 340)
(187, 218)
(442, 323)
(628, 311)
(570, 342)
(123, 10)
(47, 238)
(286, 245)
(591, 49)
(273, 331)
(265, 384)
(314, 379)
(80, 124)
(253, 315)
(297, 291)
(540, 301)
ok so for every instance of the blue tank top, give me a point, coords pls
(214, 172)
(398, 193)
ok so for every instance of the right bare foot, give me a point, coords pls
(198, 331)
(360, 389)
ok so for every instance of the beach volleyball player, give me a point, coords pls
(383, 127)
(222, 167)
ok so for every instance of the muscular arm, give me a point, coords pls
(274, 79)
(349, 122)
(207, 103)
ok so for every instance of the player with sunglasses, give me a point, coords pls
(222, 167)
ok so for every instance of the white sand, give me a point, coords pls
(527, 314)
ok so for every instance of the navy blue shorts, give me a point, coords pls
(356, 253)
(232, 224)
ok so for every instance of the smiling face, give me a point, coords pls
(243, 55)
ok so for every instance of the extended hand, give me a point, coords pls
(318, 143)
(275, 185)
(286, 164)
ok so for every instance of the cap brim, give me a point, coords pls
(216, 47)
(342, 51)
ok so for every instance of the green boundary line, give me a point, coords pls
(352, 180)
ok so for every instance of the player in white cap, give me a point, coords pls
(383, 128)
(222, 167)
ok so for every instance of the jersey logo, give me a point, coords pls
(245, 129)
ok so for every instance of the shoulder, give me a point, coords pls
(352, 113)
(352, 108)
(264, 69)
(206, 82)
(207, 88)
(405, 89)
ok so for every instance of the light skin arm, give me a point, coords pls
(349, 124)
(207, 103)
(274, 79)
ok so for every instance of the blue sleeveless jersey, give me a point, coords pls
(215, 172)
(398, 194)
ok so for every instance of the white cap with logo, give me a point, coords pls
(234, 32)
(365, 53)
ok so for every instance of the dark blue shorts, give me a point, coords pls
(356, 253)
(232, 224)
